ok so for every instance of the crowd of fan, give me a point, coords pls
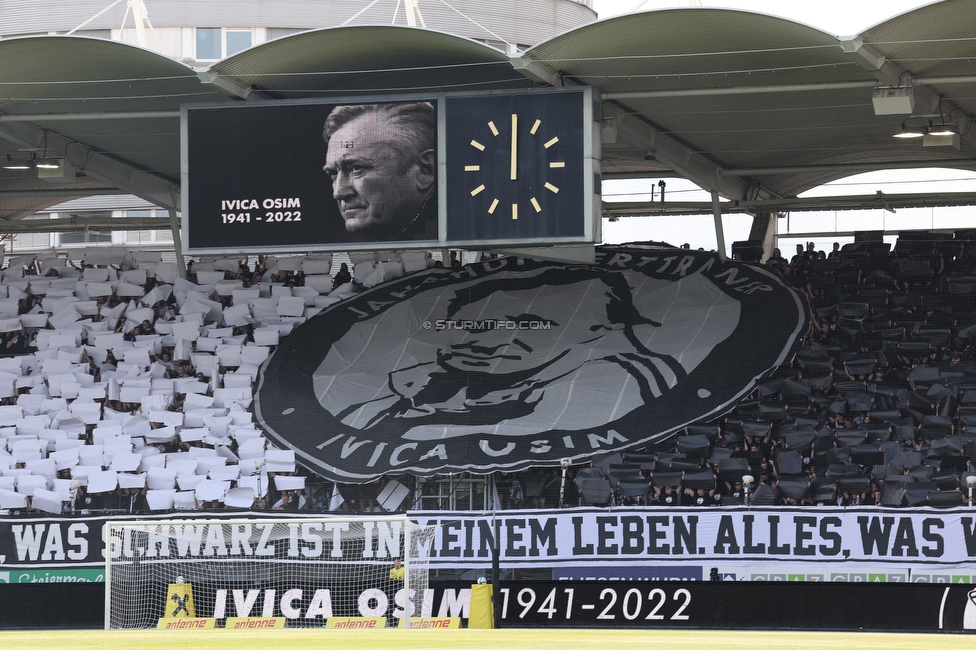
(126, 388)
(878, 407)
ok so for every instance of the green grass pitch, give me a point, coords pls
(531, 639)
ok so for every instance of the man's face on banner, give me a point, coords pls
(596, 319)
(573, 325)
(395, 380)
(377, 192)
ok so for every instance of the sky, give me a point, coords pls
(839, 18)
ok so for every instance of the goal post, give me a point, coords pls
(302, 569)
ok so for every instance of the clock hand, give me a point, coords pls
(514, 175)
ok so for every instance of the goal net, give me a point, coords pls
(305, 570)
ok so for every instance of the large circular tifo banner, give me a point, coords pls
(511, 363)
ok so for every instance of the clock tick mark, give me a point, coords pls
(535, 204)
(491, 208)
(514, 211)
(552, 142)
(535, 127)
(477, 145)
(494, 129)
(478, 190)
(552, 188)
(472, 168)
(514, 174)
(557, 165)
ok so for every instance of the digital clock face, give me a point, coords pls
(515, 167)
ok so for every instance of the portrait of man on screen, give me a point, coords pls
(382, 160)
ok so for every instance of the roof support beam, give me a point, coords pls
(950, 79)
(113, 171)
(679, 157)
(64, 117)
(27, 194)
(174, 226)
(75, 224)
(807, 204)
(230, 88)
(868, 58)
(719, 229)
(961, 163)
(784, 88)
(739, 90)
(534, 70)
(648, 175)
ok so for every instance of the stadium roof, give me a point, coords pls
(754, 106)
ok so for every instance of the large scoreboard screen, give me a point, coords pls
(476, 170)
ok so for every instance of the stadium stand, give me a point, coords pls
(877, 407)
(125, 389)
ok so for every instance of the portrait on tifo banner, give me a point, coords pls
(518, 355)
(509, 363)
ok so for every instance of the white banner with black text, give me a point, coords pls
(606, 543)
